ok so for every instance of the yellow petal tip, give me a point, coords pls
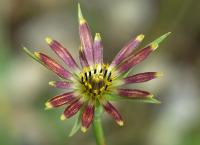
(37, 54)
(150, 96)
(83, 129)
(97, 37)
(121, 123)
(62, 117)
(48, 40)
(48, 105)
(52, 83)
(159, 74)
(140, 37)
(154, 46)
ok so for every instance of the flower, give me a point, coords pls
(95, 83)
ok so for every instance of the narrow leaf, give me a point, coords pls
(112, 97)
(28, 52)
(77, 124)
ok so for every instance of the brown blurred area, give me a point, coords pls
(24, 83)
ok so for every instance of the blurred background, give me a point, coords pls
(24, 83)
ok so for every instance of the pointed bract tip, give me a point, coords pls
(48, 40)
(25, 49)
(120, 123)
(80, 15)
(48, 105)
(97, 37)
(140, 37)
(161, 38)
(62, 117)
(52, 83)
(159, 74)
(83, 129)
(154, 46)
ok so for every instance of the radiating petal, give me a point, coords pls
(134, 93)
(60, 84)
(134, 59)
(141, 77)
(60, 100)
(127, 50)
(98, 49)
(72, 109)
(111, 110)
(85, 37)
(62, 53)
(87, 117)
(82, 58)
(53, 65)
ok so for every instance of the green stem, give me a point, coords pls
(98, 131)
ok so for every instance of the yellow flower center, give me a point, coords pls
(96, 80)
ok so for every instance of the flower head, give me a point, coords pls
(95, 83)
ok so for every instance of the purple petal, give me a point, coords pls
(61, 84)
(52, 65)
(134, 93)
(72, 109)
(60, 100)
(87, 117)
(62, 53)
(98, 49)
(134, 59)
(82, 58)
(85, 37)
(127, 50)
(112, 111)
(141, 77)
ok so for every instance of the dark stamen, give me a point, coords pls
(105, 73)
(106, 87)
(86, 76)
(109, 76)
(90, 73)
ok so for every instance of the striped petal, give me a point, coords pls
(134, 59)
(141, 77)
(112, 111)
(85, 37)
(87, 117)
(127, 50)
(62, 53)
(134, 93)
(60, 84)
(72, 109)
(53, 65)
(82, 58)
(60, 100)
(98, 49)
